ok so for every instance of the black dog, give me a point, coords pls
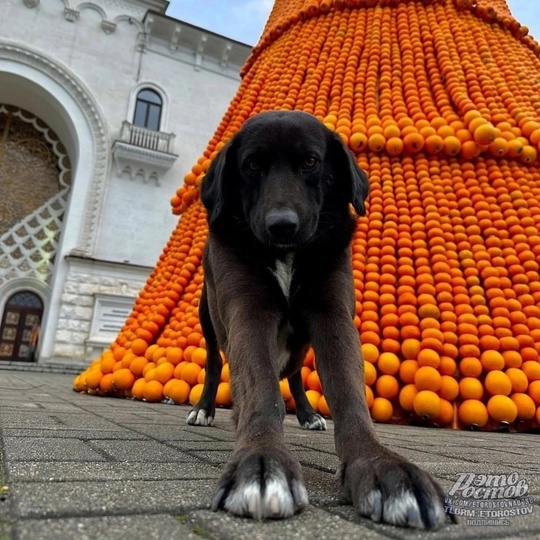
(278, 278)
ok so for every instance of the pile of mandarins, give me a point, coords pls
(440, 102)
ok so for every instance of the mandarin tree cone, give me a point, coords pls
(440, 102)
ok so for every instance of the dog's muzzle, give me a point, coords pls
(282, 225)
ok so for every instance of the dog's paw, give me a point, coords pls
(200, 417)
(392, 490)
(261, 485)
(315, 422)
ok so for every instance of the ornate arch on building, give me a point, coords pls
(23, 284)
(93, 6)
(76, 118)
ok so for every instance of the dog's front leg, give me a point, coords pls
(382, 485)
(261, 479)
(307, 417)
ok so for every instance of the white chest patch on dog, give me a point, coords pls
(284, 273)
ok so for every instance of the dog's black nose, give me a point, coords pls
(282, 224)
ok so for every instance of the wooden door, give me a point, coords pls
(19, 330)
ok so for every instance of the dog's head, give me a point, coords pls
(279, 173)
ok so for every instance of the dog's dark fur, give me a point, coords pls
(278, 278)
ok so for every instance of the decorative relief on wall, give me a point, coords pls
(111, 11)
(35, 175)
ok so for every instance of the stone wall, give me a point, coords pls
(77, 335)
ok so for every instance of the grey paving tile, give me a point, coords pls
(23, 421)
(52, 471)
(313, 523)
(168, 433)
(143, 451)
(12, 405)
(482, 455)
(99, 404)
(48, 449)
(136, 417)
(323, 488)
(217, 458)
(214, 432)
(315, 442)
(43, 420)
(156, 527)
(85, 435)
(416, 455)
(321, 460)
(84, 420)
(194, 446)
(51, 407)
(66, 499)
(518, 528)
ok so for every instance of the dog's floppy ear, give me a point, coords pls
(353, 178)
(214, 185)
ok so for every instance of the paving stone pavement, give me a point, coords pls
(81, 467)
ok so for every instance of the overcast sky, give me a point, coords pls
(243, 20)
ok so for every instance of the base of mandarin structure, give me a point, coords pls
(438, 99)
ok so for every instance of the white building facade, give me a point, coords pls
(104, 106)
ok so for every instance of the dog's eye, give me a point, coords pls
(309, 162)
(254, 166)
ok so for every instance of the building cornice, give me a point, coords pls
(179, 39)
(171, 36)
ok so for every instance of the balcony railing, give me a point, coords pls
(147, 138)
(143, 152)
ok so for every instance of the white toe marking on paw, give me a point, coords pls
(253, 500)
(318, 423)
(199, 418)
(203, 419)
(438, 512)
(245, 500)
(372, 506)
(300, 494)
(278, 501)
(401, 508)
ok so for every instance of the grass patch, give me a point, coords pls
(4, 530)
(5, 525)
(199, 531)
(196, 529)
(2, 478)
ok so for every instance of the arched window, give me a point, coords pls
(148, 109)
(19, 330)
